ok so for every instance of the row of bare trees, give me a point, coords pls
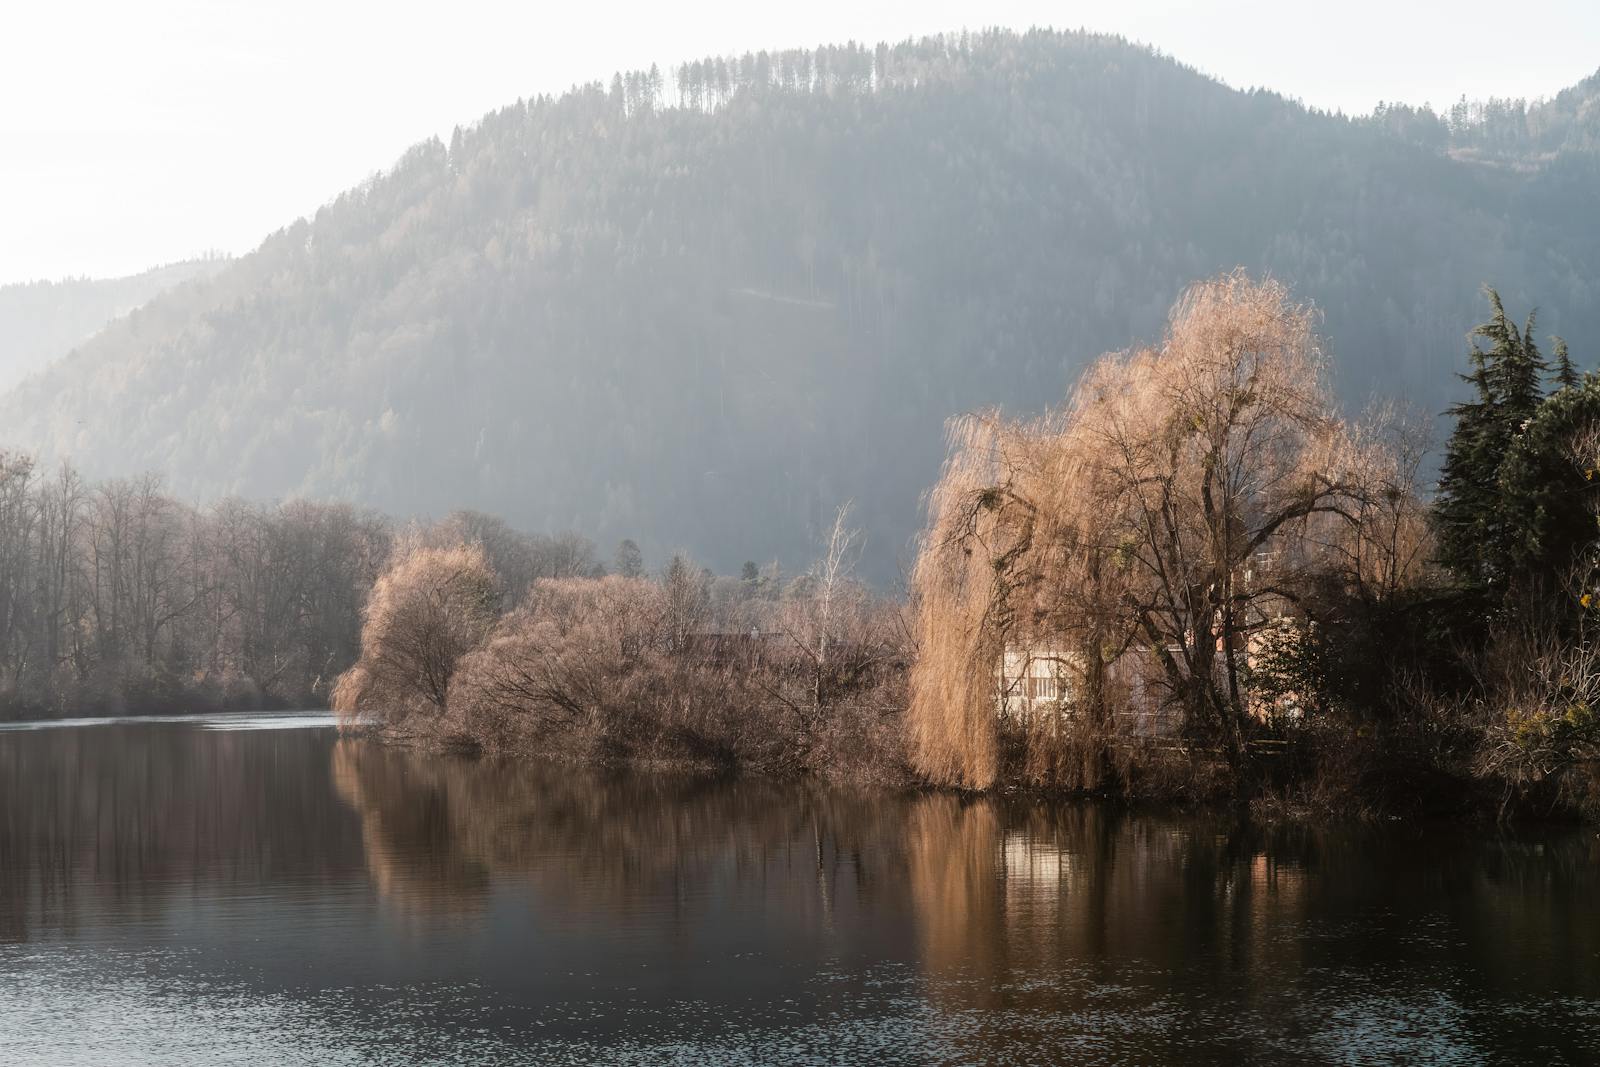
(116, 596)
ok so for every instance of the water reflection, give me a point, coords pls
(318, 899)
(1138, 938)
(439, 833)
(104, 825)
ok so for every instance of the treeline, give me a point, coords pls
(114, 597)
(849, 69)
(706, 84)
(117, 598)
(1501, 129)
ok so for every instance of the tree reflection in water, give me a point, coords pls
(365, 893)
(1088, 929)
(1076, 926)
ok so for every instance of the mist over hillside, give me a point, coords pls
(705, 325)
(42, 321)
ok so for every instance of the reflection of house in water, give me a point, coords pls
(1034, 866)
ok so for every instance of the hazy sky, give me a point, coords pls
(139, 133)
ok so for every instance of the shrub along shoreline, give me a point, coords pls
(804, 677)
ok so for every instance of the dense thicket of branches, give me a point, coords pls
(706, 303)
(797, 676)
(429, 608)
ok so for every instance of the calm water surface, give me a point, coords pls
(255, 890)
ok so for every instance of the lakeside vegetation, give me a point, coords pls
(1196, 535)
(1199, 530)
(116, 598)
(1243, 595)
(804, 676)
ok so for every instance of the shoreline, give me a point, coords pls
(1472, 808)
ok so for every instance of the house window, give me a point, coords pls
(1032, 681)
(1041, 687)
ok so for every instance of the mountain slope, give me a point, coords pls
(42, 321)
(704, 326)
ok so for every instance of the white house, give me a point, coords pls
(1038, 680)
(1031, 681)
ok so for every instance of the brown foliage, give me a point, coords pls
(600, 669)
(565, 663)
(1166, 511)
(427, 610)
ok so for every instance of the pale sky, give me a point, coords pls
(138, 133)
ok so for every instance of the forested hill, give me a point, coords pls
(704, 307)
(40, 321)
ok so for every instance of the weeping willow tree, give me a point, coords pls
(1174, 506)
(432, 606)
(1012, 558)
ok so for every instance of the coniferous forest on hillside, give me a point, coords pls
(705, 307)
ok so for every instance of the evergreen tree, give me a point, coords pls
(1549, 490)
(1468, 479)
(1515, 508)
(1470, 515)
(629, 561)
(1515, 368)
(1566, 377)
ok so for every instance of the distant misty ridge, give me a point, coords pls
(41, 321)
(708, 304)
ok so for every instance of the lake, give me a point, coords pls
(256, 890)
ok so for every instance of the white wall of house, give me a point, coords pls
(1035, 681)
(1031, 681)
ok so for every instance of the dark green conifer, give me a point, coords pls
(1467, 480)
(1515, 367)
(1549, 490)
(1566, 376)
(1475, 541)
